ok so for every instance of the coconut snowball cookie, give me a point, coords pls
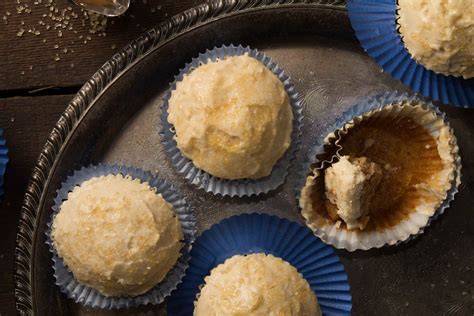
(232, 118)
(117, 235)
(256, 284)
(351, 183)
(439, 34)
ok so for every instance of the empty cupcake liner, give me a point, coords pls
(432, 119)
(88, 296)
(225, 187)
(375, 25)
(3, 160)
(261, 233)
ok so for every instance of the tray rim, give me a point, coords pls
(85, 99)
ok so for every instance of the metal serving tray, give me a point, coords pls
(115, 119)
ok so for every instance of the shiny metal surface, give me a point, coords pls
(115, 119)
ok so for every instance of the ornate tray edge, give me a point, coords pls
(41, 172)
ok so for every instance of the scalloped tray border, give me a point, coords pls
(84, 100)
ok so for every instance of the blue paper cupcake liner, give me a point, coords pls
(225, 187)
(3, 160)
(90, 297)
(372, 103)
(375, 25)
(260, 233)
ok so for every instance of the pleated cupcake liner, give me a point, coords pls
(261, 233)
(3, 160)
(89, 296)
(317, 159)
(375, 25)
(225, 187)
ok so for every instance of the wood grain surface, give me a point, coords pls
(39, 73)
(41, 69)
(26, 121)
(64, 57)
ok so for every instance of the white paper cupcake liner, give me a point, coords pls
(3, 160)
(92, 298)
(225, 187)
(407, 229)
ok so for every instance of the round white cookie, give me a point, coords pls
(258, 285)
(117, 235)
(232, 118)
(439, 34)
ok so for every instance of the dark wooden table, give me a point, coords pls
(40, 71)
(44, 60)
